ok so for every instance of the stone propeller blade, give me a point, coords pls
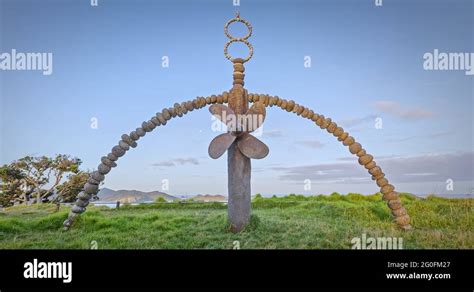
(252, 147)
(255, 115)
(222, 113)
(220, 144)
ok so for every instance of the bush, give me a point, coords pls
(161, 200)
(258, 197)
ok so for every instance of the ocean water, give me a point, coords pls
(114, 204)
(448, 196)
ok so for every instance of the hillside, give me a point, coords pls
(132, 196)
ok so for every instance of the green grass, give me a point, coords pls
(318, 222)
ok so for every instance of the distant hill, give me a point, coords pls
(131, 196)
(210, 198)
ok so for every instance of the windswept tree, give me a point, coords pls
(11, 186)
(35, 178)
(67, 191)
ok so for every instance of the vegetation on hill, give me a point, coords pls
(288, 222)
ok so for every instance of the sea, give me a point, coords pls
(448, 196)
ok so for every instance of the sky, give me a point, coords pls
(367, 69)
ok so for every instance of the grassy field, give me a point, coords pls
(318, 222)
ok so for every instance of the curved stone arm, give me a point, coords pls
(389, 194)
(108, 162)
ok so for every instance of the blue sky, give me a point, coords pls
(366, 63)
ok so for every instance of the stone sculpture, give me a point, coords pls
(239, 144)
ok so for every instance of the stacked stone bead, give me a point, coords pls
(388, 191)
(239, 70)
(128, 141)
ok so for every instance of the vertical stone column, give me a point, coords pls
(239, 166)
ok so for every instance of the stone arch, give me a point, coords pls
(128, 141)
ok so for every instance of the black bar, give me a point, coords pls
(258, 268)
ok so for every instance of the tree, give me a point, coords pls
(11, 186)
(161, 200)
(35, 178)
(67, 191)
(257, 197)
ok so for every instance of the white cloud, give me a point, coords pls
(311, 143)
(421, 137)
(350, 123)
(177, 161)
(395, 109)
(425, 168)
(274, 133)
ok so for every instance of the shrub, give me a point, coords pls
(160, 200)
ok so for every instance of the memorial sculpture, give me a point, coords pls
(239, 144)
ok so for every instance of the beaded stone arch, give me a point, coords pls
(240, 146)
